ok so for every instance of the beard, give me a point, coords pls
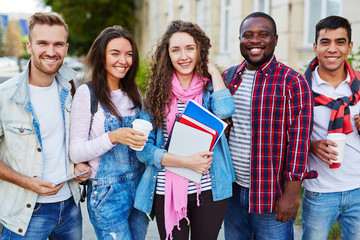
(259, 62)
(42, 67)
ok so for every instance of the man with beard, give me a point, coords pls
(269, 138)
(34, 132)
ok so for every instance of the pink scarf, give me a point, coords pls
(176, 187)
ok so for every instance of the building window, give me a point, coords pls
(314, 11)
(262, 6)
(224, 26)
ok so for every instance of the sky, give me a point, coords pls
(21, 6)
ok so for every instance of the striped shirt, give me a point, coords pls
(160, 184)
(281, 123)
(240, 134)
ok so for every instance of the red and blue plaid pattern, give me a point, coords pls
(281, 123)
(340, 119)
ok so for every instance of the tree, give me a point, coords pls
(13, 46)
(87, 18)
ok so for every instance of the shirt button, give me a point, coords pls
(95, 182)
(20, 230)
(21, 130)
(28, 205)
(39, 149)
(95, 192)
(213, 182)
(94, 201)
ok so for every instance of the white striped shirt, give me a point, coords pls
(240, 134)
(160, 184)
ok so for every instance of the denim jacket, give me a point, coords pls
(20, 145)
(222, 173)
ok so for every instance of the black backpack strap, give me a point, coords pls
(228, 78)
(230, 74)
(93, 104)
(93, 100)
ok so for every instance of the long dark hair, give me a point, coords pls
(96, 60)
(160, 88)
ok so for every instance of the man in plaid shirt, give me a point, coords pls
(270, 136)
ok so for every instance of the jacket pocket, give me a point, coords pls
(19, 136)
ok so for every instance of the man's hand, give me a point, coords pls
(321, 150)
(287, 205)
(79, 168)
(42, 187)
(357, 121)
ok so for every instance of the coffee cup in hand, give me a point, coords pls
(143, 126)
(340, 140)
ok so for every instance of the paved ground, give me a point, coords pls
(88, 231)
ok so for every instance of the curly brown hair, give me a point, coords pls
(159, 89)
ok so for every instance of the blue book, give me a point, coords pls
(201, 114)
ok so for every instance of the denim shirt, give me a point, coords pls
(222, 173)
(21, 148)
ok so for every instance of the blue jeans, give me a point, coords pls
(60, 220)
(321, 210)
(240, 224)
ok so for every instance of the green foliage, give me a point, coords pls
(141, 76)
(87, 18)
(25, 54)
(354, 59)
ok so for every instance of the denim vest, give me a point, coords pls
(222, 173)
(112, 191)
(21, 147)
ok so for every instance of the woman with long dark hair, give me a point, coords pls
(181, 71)
(103, 137)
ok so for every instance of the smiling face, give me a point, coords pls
(257, 41)
(118, 60)
(183, 54)
(332, 48)
(47, 48)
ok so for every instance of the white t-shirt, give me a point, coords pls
(347, 176)
(47, 108)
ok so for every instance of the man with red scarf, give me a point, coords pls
(334, 195)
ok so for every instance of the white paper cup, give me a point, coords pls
(340, 140)
(143, 126)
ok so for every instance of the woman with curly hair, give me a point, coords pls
(181, 71)
(100, 133)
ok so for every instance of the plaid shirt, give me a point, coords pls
(281, 124)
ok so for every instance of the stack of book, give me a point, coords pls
(198, 130)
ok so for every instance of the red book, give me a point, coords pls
(184, 119)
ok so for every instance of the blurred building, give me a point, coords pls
(220, 19)
(22, 18)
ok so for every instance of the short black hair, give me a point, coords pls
(333, 22)
(260, 14)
